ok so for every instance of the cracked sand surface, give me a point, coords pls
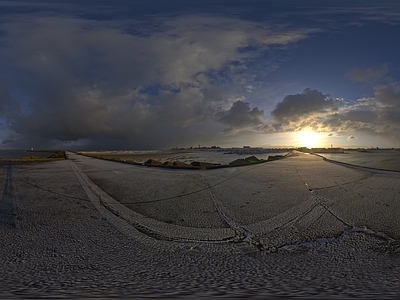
(250, 231)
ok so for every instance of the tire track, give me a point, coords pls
(128, 221)
(319, 199)
(246, 236)
(352, 228)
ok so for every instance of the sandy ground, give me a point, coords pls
(295, 227)
(186, 156)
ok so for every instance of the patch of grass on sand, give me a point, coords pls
(251, 160)
(57, 155)
(33, 157)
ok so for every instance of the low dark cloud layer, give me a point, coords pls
(241, 116)
(304, 109)
(9, 107)
(105, 75)
(80, 81)
(378, 115)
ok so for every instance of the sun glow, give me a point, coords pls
(307, 138)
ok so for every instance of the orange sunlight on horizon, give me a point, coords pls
(308, 138)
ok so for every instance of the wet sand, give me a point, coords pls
(299, 226)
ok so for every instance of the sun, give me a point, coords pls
(307, 138)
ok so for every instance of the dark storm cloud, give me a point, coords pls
(388, 94)
(83, 80)
(378, 115)
(92, 73)
(302, 109)
(9, 107)
(355, 115)
(240, 116)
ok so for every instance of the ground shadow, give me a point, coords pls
(7, 217)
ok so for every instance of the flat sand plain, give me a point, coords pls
(296, 227)
(185, 156)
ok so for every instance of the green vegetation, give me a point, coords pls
(33, 157)
(246, 161)
(57, 155)
(275, 157)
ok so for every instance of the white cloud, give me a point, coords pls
(378, 115)
(367, 75)
(84, 80)
(304, 110)
(389, 94)
(240, 116)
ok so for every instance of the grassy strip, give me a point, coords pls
(58, 155)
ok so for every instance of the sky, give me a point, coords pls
(98, 74)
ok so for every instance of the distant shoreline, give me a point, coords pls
(381, 160)
(31, 155)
